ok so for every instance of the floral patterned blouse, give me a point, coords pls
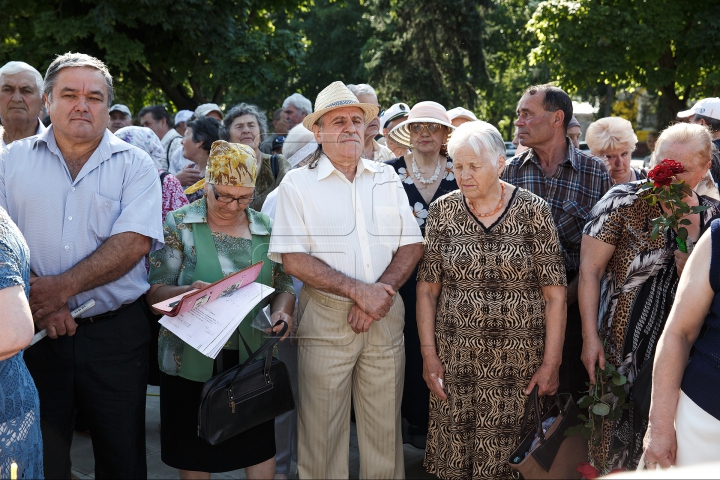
(417, 202)
(173, 195)
(175, 264)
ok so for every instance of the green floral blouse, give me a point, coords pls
(175, 264)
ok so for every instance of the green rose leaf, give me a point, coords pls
(601, 409)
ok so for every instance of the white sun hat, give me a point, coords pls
(460, 112)
(334, 96)
(422, 112)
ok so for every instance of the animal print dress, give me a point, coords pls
(636, 295)
(489, 327)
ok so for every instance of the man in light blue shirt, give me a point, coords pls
(89, 206)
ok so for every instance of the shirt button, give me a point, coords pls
(67, 248)
(72, 188)
(70, 218)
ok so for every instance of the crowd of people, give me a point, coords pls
(430, 282)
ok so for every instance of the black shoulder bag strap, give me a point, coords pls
(162, 177)
(274, 165)
(167, 153)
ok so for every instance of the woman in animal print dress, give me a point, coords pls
(627, 286)
(490, 310)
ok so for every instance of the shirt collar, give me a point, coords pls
(109, 144)
(325, 167)
(197, 213)
(571, 156)
(170, 134)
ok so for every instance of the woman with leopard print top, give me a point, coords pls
(628, 283)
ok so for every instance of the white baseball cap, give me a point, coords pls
(396, 111)
(707, 107)
(119, 107)
(183, 116)
(460, 112)
(205, 108)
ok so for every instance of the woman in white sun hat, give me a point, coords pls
(426, 174)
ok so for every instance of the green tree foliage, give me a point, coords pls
(670, 47)
(507, 46)
(188, 52)
(424, 50)
(335, 32)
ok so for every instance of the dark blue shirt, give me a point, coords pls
(701, 382)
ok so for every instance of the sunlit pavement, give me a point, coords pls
(84, 464)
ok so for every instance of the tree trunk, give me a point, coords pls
(609, 98)
(669, 105)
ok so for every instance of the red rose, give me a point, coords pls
(587, 470)
(661, 175)
(676, 167)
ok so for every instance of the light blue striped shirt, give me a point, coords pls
(63, 221)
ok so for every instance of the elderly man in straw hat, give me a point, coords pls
(345, 228)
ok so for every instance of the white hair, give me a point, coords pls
(11, 68)
(610, 133)
(361, 89)
(481, 136)
(297, 137)
(299, 102)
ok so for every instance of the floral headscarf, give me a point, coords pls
(144, 139)
(232, 164)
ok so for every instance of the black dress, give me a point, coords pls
(181, 448)
(416, 396)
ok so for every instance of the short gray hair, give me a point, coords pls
(361, 89)
(299, 102)
(11, 68)
(481, 136)
(76, 60)
(238, 111)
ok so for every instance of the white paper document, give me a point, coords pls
(207, 328)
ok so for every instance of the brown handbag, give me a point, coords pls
(555, 455)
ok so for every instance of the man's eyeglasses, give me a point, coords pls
(431, 127)
(246, 200)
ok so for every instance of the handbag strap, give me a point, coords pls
(274, 166)
(267, 346)
(534, 401)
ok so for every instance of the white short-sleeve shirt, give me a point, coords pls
(355, 227)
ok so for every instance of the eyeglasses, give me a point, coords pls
(431, 127)
(228, 199)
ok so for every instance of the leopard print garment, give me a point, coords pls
(490, 327)
(636, 295)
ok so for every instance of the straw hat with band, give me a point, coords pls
(231, 164)
(422, 112)
(334, 96)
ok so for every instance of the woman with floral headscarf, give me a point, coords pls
(205, 241)
(173, 196)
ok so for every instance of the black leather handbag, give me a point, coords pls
(246, 395)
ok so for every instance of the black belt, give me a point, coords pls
(103, 316)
